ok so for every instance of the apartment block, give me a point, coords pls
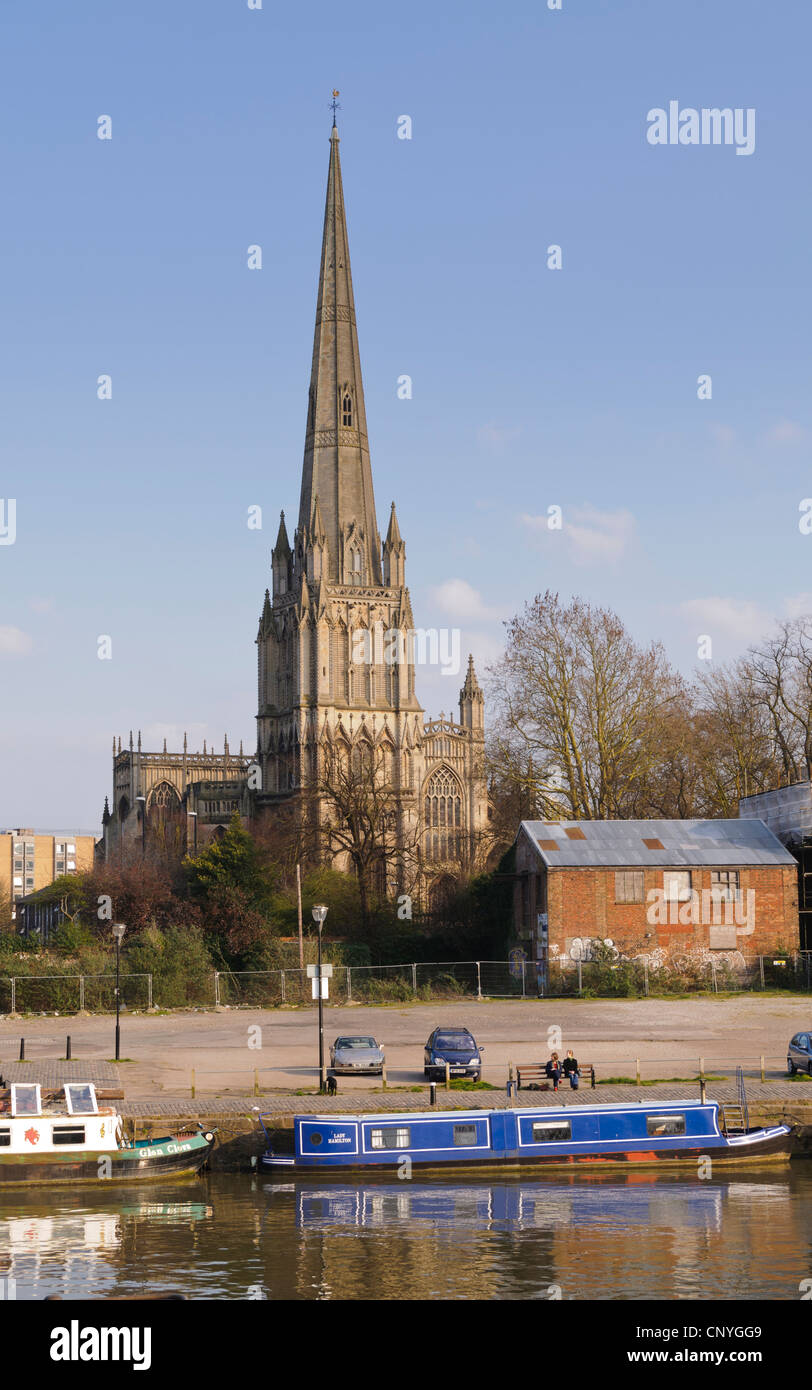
(30, 860)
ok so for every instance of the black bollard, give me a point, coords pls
(22, 1049)
(432, 1093)
(67, 1049)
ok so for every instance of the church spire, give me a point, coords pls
(336, 457)
(394, 554)
(472, 701)
(281, 561)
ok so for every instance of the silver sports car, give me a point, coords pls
(361, 1054)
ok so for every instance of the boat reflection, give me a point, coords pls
(43, 1252)
(639, 1200)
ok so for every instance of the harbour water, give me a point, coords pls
(641, 1236)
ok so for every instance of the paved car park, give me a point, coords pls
(229, 1050)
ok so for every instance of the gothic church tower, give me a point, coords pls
(327, 680)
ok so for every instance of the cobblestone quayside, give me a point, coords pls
(775, 1095)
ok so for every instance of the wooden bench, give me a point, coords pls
(535, 1074)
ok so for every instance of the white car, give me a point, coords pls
(357, 1053)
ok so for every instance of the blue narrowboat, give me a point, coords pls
(672, 1132)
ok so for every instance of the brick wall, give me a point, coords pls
(581, 903)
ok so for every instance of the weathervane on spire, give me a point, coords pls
(336, 105)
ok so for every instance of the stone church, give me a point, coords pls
(336, 657)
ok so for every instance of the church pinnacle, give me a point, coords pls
(337, 467)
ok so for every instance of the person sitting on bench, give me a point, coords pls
(570, 1070)
(553, 1070)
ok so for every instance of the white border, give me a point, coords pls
(68, 1086)
(15, 1086)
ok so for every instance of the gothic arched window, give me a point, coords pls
(443, 816)
(346, 409)
(164, 797)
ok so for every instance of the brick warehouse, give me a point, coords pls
(665, 886)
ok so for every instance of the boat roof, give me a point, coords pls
(579, 1107)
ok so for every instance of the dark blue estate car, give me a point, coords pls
(799, 1053)
(455, 1046)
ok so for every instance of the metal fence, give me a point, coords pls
(414, 981)
(517, 979)
(73, 993)
(686, 974)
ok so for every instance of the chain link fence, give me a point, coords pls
(697, 973)
(415, 981)
(70, 994)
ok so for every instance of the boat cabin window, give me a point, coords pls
(551, 1131)
(68, 1134)
(25, 1099)
(390, 1138)
(665, 1124)
(81, 1099)
(5, 1138)
(465, 1136)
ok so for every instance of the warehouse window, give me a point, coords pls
(725, 884)
(677, 885)
(629, 886)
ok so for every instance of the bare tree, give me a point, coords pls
(781, 674)
(580, 709)
(356, 805)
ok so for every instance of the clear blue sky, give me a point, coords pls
(531, 387)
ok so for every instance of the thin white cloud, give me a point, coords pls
(723, 434)
(14, 642)
(592, 536)
(497, 437)
(798, 605)
(733, 619)
(596, 537)
(461, 600)
(786, 432)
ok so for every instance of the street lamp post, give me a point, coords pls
(319, 914)
(118, 932)
(194, 813)
(143, 826)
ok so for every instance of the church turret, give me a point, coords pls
(472, 701)
(106, 817)
(394, 555)
(265, 617)
(316, 548)
(281, 561)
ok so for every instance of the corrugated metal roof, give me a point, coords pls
(621, 843)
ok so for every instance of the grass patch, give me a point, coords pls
(462, 1084)
(799, 1076)
(658, 1080)
(112, 1060)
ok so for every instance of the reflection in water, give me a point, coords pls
(635, 1236)
(515, 1207)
